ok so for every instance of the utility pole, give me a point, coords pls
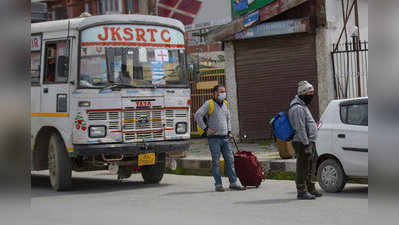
(357, 44)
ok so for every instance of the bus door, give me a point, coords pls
(55, 88)
(36, 68)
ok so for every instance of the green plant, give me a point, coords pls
(280, 175)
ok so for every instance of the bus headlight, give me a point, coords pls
(97, 131)
(181, 128)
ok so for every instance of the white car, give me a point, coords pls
(342, 143)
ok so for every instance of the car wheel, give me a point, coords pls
(331, 176)
(154, 174)
(59, 164)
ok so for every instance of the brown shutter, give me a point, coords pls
(268, 70)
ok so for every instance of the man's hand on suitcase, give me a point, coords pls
(230, 137)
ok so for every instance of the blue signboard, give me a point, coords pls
(239, 5)
(243, 7)
(251, 19)
(274, 28)
(158, 73)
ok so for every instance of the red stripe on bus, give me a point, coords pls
(102, 110)
(153, 109)
(116, 131)
(85, 44)
(177, 108)
(143, 109)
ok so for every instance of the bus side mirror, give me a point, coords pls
(196, 72)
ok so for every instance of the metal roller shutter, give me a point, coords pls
(267, 72)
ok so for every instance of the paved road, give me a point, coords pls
(98, 199)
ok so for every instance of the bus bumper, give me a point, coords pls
(131, 148)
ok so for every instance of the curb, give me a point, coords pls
(272, 167)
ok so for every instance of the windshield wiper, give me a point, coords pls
(116, 85)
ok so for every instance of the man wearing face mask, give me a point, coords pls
(218, 129)
(305, 128)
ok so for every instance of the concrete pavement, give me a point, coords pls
(98, 199)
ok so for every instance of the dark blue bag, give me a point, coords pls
(281, 126)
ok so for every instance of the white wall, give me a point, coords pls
(346, 75)
(213, 10)
(335, 19)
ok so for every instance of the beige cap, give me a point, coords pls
(304, 87)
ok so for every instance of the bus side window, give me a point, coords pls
(57, 62)
(35, 68)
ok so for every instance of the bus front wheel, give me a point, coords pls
(59, 164)
(153, 174)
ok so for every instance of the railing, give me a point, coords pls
(201, 93)
(350, 69)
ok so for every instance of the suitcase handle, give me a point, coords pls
(235, 143)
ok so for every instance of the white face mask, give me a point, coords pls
(222, 96)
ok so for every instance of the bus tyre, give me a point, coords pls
(59, 164)
(153, 174)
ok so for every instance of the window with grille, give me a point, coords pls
(130, 6)
(110, 6)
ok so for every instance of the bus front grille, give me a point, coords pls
(143, 124)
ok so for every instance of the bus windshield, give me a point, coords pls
(135, 55)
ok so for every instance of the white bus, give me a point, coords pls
(108, 92)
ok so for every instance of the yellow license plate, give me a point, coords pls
(147, 159)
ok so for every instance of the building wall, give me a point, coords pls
(231, 86)
(212, 10)
(325, 85)
(335, 23)
(63, 9)
(324, 70)
(335, 20)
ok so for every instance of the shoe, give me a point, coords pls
(316, 193)
(305, 196)
(237, 188)
(219, 189)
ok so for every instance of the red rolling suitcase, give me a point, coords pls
(247, 167)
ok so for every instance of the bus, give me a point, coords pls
(108, 93)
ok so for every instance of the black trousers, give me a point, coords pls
(305, 167)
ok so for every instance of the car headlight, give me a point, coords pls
(97, 131)
(181, 128)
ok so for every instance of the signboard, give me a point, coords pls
(158, 73)
(207, 84)
(251, 19)
(161, 55)
(142, 55)
(207, 60)
(239, 5)
(36, 43)
(208, 24)
(250, 5)
(277, 7)
(275, 28)
(133, 36)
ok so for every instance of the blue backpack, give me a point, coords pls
(281, 126)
